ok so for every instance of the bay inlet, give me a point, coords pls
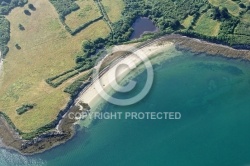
(211, 93)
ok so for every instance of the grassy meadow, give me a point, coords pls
(46, 49)
(232, 6)
(113, 9)
(243, 28)
(187, 21)
(207, 26)
(88, 11)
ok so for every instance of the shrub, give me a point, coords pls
(4, 35)
(21, 27)
(25, 108)
(27, 12)
(31, 7)
(17, 46)
(8, 5)
(77, 85)
(64, 7)
(242, 5)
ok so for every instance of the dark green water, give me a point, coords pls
(213, 96)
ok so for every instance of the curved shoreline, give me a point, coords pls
(91, 95)
(65, 130)
(201, 46)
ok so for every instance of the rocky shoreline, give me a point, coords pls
(65, 129)
(200, 46)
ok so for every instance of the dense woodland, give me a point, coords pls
(7, 5)
(4, 34)
(65, 7)
(5, 8)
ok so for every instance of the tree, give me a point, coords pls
(175, 24)
(224, 13)
(17, 46)
(4, 3)
(242, 5)
(31, 7)
(27, 12)
(21, 27)
(216, 13)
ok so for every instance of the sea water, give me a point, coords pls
(211, 93)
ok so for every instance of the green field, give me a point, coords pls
(232, 6)
(243, 28)
(88, 11)
(207, 26)
(113, 9)
(187, 21)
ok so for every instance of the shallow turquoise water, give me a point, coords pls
(212, 94)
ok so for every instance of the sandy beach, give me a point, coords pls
(91, 95)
